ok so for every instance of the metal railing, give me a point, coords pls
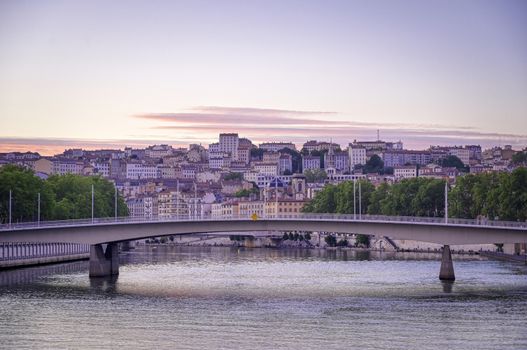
(286, 216)
(25, 251)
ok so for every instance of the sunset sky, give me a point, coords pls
(115, 73)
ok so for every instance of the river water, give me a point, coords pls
(229, 298)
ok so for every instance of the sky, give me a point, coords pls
(113, 73)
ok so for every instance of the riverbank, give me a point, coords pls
(505, 257)
(237, 244)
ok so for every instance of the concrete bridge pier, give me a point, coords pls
(447, 268)
(104, 260)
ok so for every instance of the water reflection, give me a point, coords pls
(104, 284)
(214, 297)
(32, 274)
(447, 286)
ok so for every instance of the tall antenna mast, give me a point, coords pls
(378, 138)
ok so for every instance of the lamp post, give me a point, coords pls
(92, 200)
(177, 200)
(115, 200)
(446, 202)
(38, 209)
(195, 202)
(354, 201)
(276, 196)
(360, 202)
(10, 205)
(264, 200)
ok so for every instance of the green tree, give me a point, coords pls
(330, 240)
(234, 176)
(512, 196)
(519, 158)
(453, 162)
(429, 199)
(376, 198)
(73, 197)
(324, 201)
(342, 243)
(257, 153)
(362, 240)
(24, 187)
(373, 165)
(315, 175)
(243, 193)
(494, 195)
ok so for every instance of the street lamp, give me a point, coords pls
(446, 202)
(92, 200)
(354, 200)
(265, 199)
(10, 204)
(115, 202)
(177, 200)
(38, 210)
(360, 202)
(276, 196)
(195, 202)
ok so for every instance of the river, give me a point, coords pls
(229, 298)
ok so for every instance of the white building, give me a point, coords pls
(67, 166)
(405, 172)
(357, 156)
(229, 143)
(158, 151)
(244, 154)
(219, 160)
(137, 171)
(170, 172)
(172, 203)
(135, 207)
(310, 162)
(188, 171)
(142, 206)
(248, 208)
(214, 147)
(277, 146)
(462, 153)
(266, 168)
(101, 168)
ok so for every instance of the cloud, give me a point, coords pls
(257, 111)
(260, 124)
(202, 125)
(222, 116)
(221, 119)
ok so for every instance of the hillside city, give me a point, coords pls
(234, 177)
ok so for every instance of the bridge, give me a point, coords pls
(103, 234)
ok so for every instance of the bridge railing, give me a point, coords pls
(251, 216)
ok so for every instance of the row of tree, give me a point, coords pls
(61, 196)
(500, 196)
